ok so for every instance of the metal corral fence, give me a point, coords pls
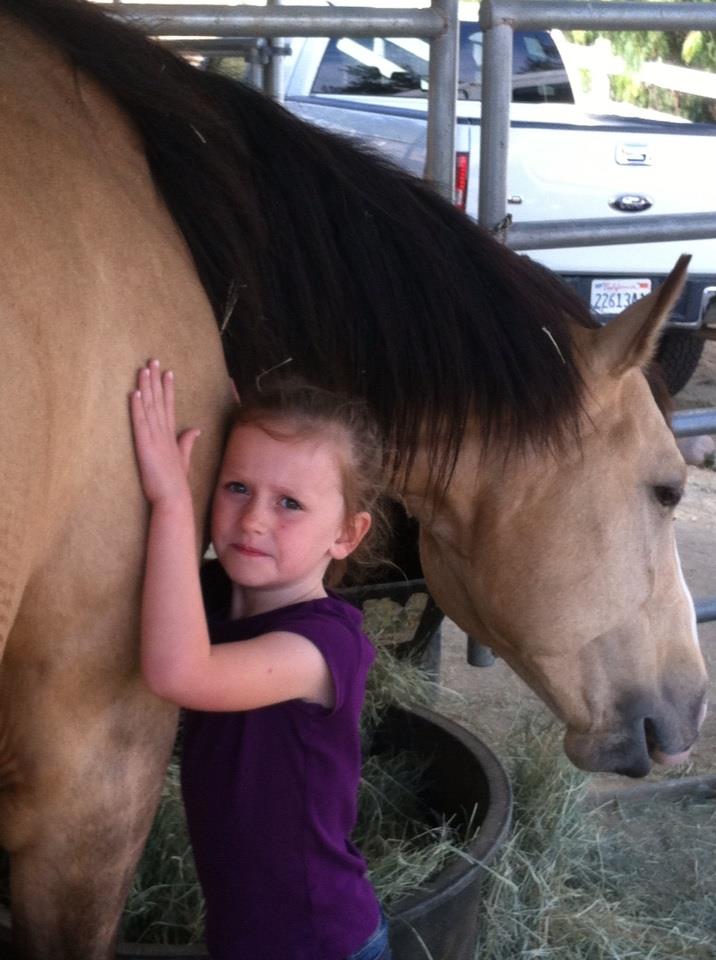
(438, 24)
(693, 423)
(498, 20)
(220, 29)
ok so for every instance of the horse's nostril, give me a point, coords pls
(650, 735)
(662, 749)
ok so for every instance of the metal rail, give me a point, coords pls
(705, 610)
(576, 15)
(693, 423)
(438, 24)
(253, 21)
(602, 231)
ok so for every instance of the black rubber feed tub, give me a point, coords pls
(441, 921)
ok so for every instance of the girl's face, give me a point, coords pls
(278, 516)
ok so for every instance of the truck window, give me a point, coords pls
(398, 67)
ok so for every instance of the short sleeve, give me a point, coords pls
(347, 652)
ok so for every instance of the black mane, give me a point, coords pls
(311, 248)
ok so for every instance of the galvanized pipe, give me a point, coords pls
(495, 124)
(478, 654)
(693, 423)
(535, 14)
(273, 71)
(547, 234)
(211, 46)
(442, 101)
(251, 21)
(705, 610)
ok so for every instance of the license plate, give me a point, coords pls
(612, 296)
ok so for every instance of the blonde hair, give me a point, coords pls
(290, 407)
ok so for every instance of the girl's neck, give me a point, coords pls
(250, 602)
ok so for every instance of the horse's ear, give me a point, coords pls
(631, 338)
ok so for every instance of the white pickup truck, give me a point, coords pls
(563, 163)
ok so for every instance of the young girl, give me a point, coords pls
(274, 682)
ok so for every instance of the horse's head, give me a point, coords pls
(566, 564)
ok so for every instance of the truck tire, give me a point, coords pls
(678, 356)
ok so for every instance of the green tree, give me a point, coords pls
(693, 48)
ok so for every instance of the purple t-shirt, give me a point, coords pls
(270, 796)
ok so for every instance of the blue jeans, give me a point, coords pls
(376, 946)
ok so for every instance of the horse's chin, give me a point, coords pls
(633, 746)
(607, 755)
(628, 756)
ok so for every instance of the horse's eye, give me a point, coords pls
(668, 496)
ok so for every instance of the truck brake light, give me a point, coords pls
(462, 165)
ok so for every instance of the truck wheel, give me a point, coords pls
(678, 356)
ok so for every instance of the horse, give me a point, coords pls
(152, 209)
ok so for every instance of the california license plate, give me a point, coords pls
(612, 296)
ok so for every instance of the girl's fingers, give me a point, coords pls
(186, 444)
(144, 388)
(163, 459)
(140, 427)
(142, 375)
(136, 409)
(157, 393)
(152, 405)
(155, 387)
(168, 381)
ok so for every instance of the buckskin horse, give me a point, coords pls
(151, 209)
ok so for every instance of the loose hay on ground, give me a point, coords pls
(624, 882)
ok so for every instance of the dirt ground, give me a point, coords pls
(494, 696)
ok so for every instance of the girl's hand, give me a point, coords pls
(163, 458)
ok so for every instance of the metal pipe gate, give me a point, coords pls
(438, 24)
(498, 20)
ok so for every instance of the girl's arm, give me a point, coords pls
(177, 659)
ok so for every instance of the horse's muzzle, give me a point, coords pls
(663, 736)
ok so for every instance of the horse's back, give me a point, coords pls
(94, 279)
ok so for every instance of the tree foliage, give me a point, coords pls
(691, 48)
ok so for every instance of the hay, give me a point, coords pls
(165, 904)
(389, 623)
(402, 849)
(625, 882)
